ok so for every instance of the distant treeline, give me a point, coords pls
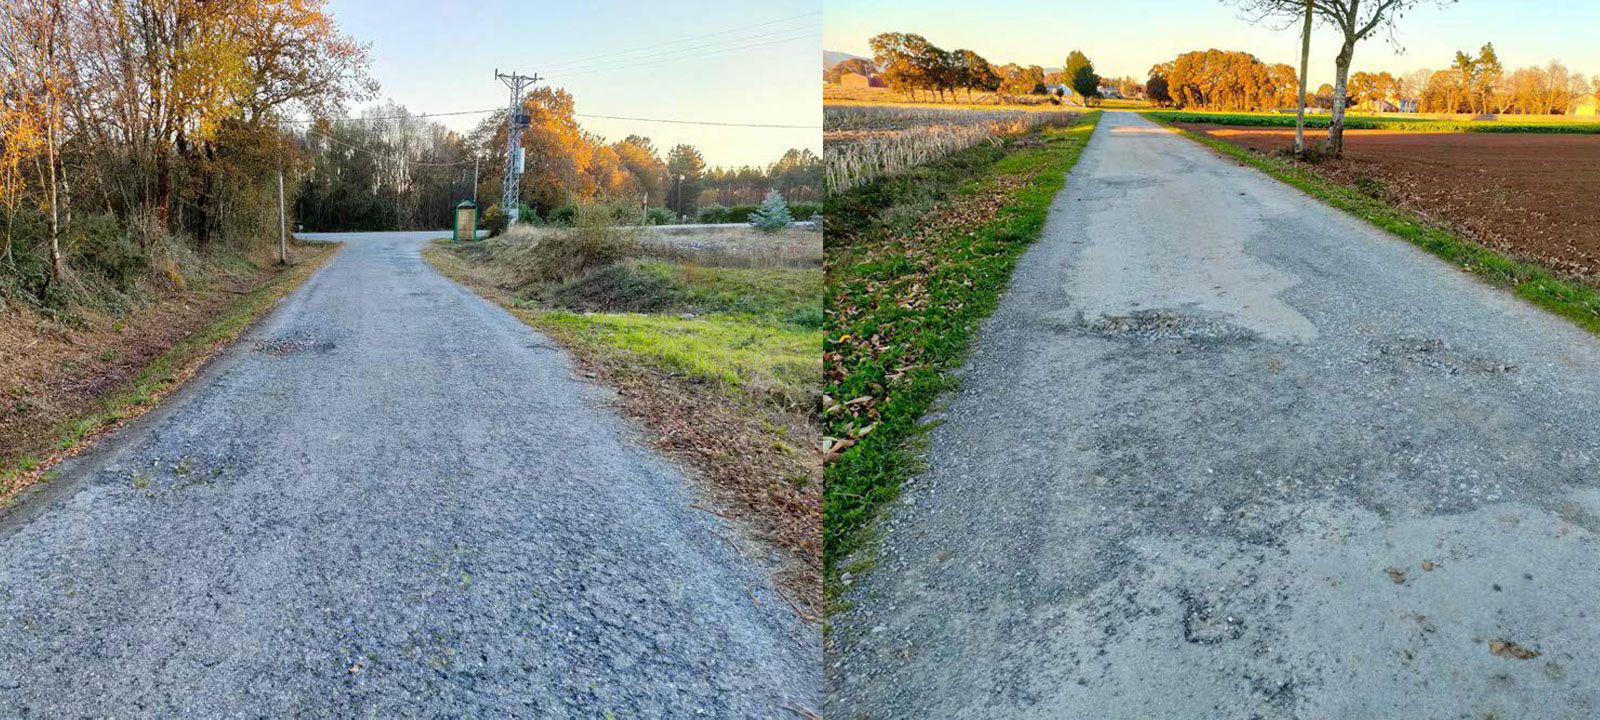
(1234, 81)
(390, 170)
(908, 62)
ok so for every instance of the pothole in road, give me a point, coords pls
(1435, 354)
(1163, 324)
(290, 345)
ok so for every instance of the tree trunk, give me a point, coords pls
(55, 211)
(1300, 104)
(1340, 78)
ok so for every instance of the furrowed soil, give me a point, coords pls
(1526, 195)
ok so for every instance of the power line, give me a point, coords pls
(576, 61)
(686, 54)
(368, 151)
(673, 121)
(700, 122)
(396, 117)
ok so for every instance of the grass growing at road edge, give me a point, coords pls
(915, 261)
(162, 375)
(1568, 298)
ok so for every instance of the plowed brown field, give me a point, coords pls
(1529, 195)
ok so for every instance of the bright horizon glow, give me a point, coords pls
(433, 57)
(1127, 38)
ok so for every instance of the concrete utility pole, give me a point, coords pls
(516, 120)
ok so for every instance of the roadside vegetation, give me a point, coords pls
(914, 261)
(1565, 294)
(1412, 123)
(140, 149)
(864, 142)
(711, 339)
(74, 382)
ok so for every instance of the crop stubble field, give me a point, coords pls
(1527, 194)
(863, 142)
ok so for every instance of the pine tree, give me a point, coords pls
(773, 214)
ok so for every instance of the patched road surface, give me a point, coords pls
(392, 499)
(1224, 452)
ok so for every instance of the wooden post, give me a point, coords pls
(283, 222)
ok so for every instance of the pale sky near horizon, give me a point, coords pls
(703, 60)
(1127, 37)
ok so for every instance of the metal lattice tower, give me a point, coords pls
(516, 120)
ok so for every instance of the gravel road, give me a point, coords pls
(391, 499)
(1224, 452)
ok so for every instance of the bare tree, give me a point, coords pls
(1356, 20)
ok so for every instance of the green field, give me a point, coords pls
(1531, 124)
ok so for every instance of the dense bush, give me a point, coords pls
(658, 216)
(710, 214)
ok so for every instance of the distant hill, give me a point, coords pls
(831, 58)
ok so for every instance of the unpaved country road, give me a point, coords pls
(392, 499)
(1204, 456)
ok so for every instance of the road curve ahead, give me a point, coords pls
(1225, 452)
(392, 499)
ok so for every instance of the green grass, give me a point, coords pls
(905, 300)
(779, 291)
(1382, 122)
(742, 352)
(1571, 299)
(167, 371)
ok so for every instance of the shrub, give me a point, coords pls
(658, 216)
(711, 214)
(99, 245)
(618, 287)
(564, 215)
(773, 215)
(594, 241)
(805, 209)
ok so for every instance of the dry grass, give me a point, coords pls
(714, 245)
(866, 142)
(65, 383)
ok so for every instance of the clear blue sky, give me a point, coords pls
(433, 56)
(1127, 37)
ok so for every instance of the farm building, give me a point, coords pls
(851, 79)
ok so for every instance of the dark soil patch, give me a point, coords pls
(1525, 195)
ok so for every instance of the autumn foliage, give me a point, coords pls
(128, 125)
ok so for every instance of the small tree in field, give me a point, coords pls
(1086, 83)
(1355, 20)
(773, 214)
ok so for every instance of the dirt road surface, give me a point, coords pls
(392, 499)
(1226, 452)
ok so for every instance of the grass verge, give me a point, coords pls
(146, 389)
(722, 372)
(914, 262)
(1565, 296)
(1380, 122)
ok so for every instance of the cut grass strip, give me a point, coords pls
(164, 374)
(1569, 298)
(915, 261)
(1380, 122)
